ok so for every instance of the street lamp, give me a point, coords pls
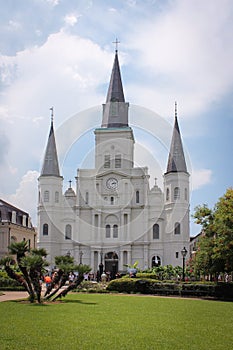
(80, 257)
(101, 266)
(184, 253)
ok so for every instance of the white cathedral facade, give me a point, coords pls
(114, 218)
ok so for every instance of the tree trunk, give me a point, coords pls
(16, 277)
(55, 281)
(35, 278)
(28, 280)
(61, 284)
(71, 286)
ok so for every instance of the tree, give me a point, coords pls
(65, 265)
(223, 226)
(20, 249)
(32, 264)
(215, 247)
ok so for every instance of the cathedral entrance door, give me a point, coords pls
(111, 264)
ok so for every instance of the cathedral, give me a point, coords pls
(113, 217)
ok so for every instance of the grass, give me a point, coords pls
(97, 321)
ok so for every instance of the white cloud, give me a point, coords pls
(200, 178)
(71, 19)
(14, 25)
(60, 73)
(53, 2)
(187, 52)
(63, 69)
(25, 196)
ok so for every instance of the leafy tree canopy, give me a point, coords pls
(215, 249)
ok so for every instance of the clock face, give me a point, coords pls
(112, 183)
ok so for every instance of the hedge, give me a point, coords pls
(7, 283)
(150, 286)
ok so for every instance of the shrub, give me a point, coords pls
(150, 286)
(122, 285)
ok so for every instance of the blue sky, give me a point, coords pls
(60, 53)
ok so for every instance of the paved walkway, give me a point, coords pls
(12, 295)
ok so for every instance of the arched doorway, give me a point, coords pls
(111, 263)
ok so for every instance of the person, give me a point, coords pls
(71, 277)
(103, 277)
(47, 280)
(86, 275)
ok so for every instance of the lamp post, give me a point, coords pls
(101, 266)
(80, 257)
(184, 253)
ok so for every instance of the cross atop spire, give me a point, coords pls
(51, 109)
(176, 160)
(116, 43)
(50, 165)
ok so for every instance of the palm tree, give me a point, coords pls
(65, 265)
(7, 263)
(20, 249)
(35, 264)
(82, 269)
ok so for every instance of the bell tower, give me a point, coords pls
(50, 184)
(114, 141)
(176, 201)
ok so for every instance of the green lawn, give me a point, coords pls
(100, 321)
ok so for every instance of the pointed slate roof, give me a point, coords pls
(115, 110)
(176, 160)
(50, 165)
(115, 89)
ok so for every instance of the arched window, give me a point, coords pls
(112, 200)
(86, 197)
(155, 231)
(118, 161)
(177, 228)
(56, 197)
(46, 196)
(68, 232)
(176, 193)
(107, 231)
(107, 161)
(167, 194)
(185, 194)
(137, 197)
(96, 220)
(156, 261)
(45, 230)
(115, 231)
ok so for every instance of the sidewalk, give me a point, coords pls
(12, 295)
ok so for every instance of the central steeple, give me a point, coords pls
(115, 90)
(115, 110)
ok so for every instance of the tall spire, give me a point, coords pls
(176, 160)
(115, 90)
(50, 165)
(115, 110)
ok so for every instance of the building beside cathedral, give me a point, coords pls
(114, 217)
(15, 226)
